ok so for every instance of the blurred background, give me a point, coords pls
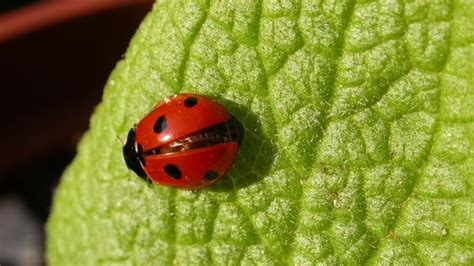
(55, 57)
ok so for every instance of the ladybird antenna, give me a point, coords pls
(119, 139)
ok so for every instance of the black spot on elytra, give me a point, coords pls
(190, 101)
(211, 175)
(173, 171)
(160, 124)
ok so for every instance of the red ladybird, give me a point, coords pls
(187, 141)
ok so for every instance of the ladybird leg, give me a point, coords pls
(148, 181)
(196, 191)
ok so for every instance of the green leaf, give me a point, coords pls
(359, 123)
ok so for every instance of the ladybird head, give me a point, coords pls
(133, 155)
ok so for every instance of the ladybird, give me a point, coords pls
(188, 141)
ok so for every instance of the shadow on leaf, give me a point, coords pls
(256, 154)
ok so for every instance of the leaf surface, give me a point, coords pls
(359, 124)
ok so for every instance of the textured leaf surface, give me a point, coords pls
(359, 124)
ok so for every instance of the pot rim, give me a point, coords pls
(40, 15)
